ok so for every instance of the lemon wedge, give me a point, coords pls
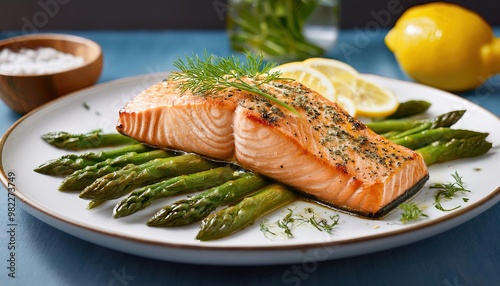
(309, 77)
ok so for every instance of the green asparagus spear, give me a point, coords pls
(426, 137)
(123, 181)
(67, 164)
(444, 120)
(393, 125)
(143, 197)
(410, 126)
(197, 207)
(95, 203)
(235, 218)
(440, 151)
(447, 119)
(80, 179)
(420, 128)
(390, 134)
(410, 108)
(93, 139)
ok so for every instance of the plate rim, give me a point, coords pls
(492, 197)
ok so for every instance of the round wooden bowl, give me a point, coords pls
(23, 93)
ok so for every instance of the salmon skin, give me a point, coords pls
(323, 152)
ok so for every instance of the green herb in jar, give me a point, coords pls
(284, 30)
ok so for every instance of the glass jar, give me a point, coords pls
(283, 30)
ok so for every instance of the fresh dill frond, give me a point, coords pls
(411, 212)
(287, 223)
(323, 225)
(265, 228)
(213, 73)
(448, 191)
(292, 220)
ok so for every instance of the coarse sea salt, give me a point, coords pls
(37, 61)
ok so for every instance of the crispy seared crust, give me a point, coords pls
(324, 152)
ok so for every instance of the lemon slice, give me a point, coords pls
(368, 98)
(309, 77)
(345, 95)
(342, 76)
(345, 88)
(373, 100)
(334, 69)
(341, 83)
(347, 104)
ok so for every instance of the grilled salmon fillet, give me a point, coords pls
(323, 152)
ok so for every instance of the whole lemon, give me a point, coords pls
(445, 46)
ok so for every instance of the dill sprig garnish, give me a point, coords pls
(287, 223)
(213, 73)
(411, 212)
(448, 191)
(323, 224)
(265, 228)
(293, 220)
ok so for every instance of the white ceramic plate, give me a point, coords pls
(97, 107)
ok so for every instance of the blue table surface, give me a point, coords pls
(466, 255)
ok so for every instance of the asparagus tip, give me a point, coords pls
(94, 203)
